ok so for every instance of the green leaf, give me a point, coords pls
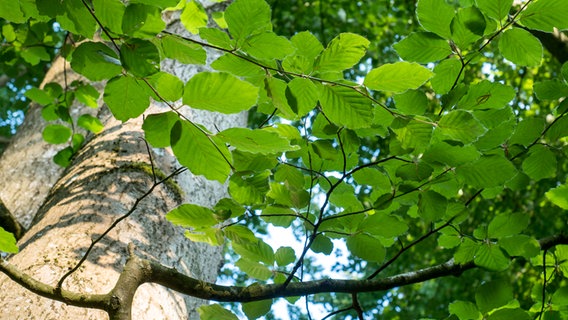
(39, 96)
(432, 47)
(126, 97)
(491, 257)
(432, 206)
(193, 17)
(461, 126)
(487, 95)
(397, 77)
(559, 196)
(191, 216)
(496, 9)
(342, 53)
(412, 133)
(453, 156)
(550, 89)
(216, 37)
(467, 26)
(545, 15)
(509, 314)
(110, 13)
(256, 141)
(63, 157)
(142, 21)
(366, 247)
(322, 244)
(466, 251)
(527, 131)
(268, 46)
(412, 102)
(219, 92)
(249, 188)
(95, 61)
(560, 297)
(308, 48)
(445, 75)
(521, 47)
(75, 18)
(140, 57)
(564, 71)
(346, 107)
(488, 171)
(383, 225)
(7, 241)
(183, 50)
(435, 16)
(465, 310)
(507, 224)
(492, 295)
(200, 152)
(157, 128)
(88, 122)
(285, 256)
(215, 312)
(253, 269)
(256, 309)
(209, 235)
(10, 10)
(248, 17)
(239, 67)
(87, 95)
(56, 133)
(540, 164)
(255, 251)
(273, 96)
(520, 246)
(168, 86)
(302, 95)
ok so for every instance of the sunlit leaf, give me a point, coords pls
(247, 17)
(8, 242)
(343, 52)
(193, 17)
(545, 15)
(496, 9)
(182, 50)
(435, 16)
(200, 152)
(346, 107)
(559, 196)
(56, 133)
(142, 21)
(219, 91)
(140, 57)
(191, 216)
(397, 77)
(432, 47)
(88, 122)
(215, 312)
(126, 97)
(521, 47)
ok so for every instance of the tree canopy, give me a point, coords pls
(428, 138)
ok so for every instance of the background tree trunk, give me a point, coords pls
(70, 208)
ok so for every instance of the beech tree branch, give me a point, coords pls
(138, 271)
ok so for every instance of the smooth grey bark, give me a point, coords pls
(69, 208)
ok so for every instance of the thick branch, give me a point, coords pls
(138, 271)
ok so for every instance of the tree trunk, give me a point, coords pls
(71, 207)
